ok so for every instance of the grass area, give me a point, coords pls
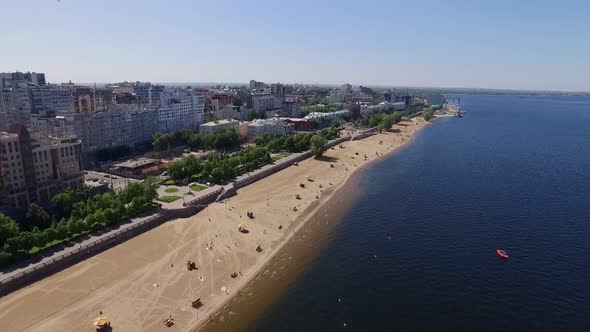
(197, 187)
(54, 243)
(169, 182)
(171, 190)
(280, 156)
(168, 199)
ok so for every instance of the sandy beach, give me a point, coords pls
(140, 283)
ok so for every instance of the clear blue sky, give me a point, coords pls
(518, 44)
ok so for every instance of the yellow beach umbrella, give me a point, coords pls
(100, 321)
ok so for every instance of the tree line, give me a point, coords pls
(321, 108)
(293, 143)
(218, 168)
(220, 140)
(382, 120)
(75, 213)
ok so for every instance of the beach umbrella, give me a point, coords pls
(100, 321)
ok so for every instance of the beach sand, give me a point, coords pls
(140, 283)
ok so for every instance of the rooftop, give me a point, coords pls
(218, 122)
(140, 162)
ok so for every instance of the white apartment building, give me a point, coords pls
(33, 169)
(103, 130)
(275, 127)
(265, 102)
(210, 128)
(181, 110)
(51, 99)
(15, 105)
(123, 125)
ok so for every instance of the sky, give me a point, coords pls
(524, 44)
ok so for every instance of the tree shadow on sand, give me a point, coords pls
(328, 159)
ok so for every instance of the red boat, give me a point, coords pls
(502, 253)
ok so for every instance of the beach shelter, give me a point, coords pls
(101, 321)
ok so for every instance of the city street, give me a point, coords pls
(114, 181)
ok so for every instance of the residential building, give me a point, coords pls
(34, 168)
(8, 79)
(49, 100)
(122, 125)
(291, 108)
(23, 94)
(392, 97)
(262, 102)
(275, 127)
(210, 128)
(256, 85)
(219, 100)
(227, 112)
(87, 99)
(15, 105)
(277, 89)
(130, 127)
(180, 110)
(301, 124)
(336, 96)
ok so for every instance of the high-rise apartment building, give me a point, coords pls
(180, 109)
(34, 168)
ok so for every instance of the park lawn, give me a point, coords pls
(171, 190)
(197, 187)
(280, 156)
(168, 199)
(169, 182)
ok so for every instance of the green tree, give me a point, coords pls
(8, 228)
(37, 217)
(397, 117)
(209, 117)
(63, 203)
(318, 145)
(428, 115)
(162, 142)
(252, 115)
(386, 122)
(237, 101)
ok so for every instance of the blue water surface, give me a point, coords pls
(417, 251)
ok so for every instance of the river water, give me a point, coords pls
(414, 250)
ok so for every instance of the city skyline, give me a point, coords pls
(500, 45)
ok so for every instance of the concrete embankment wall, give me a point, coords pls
(205, 199)
(282, 164)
